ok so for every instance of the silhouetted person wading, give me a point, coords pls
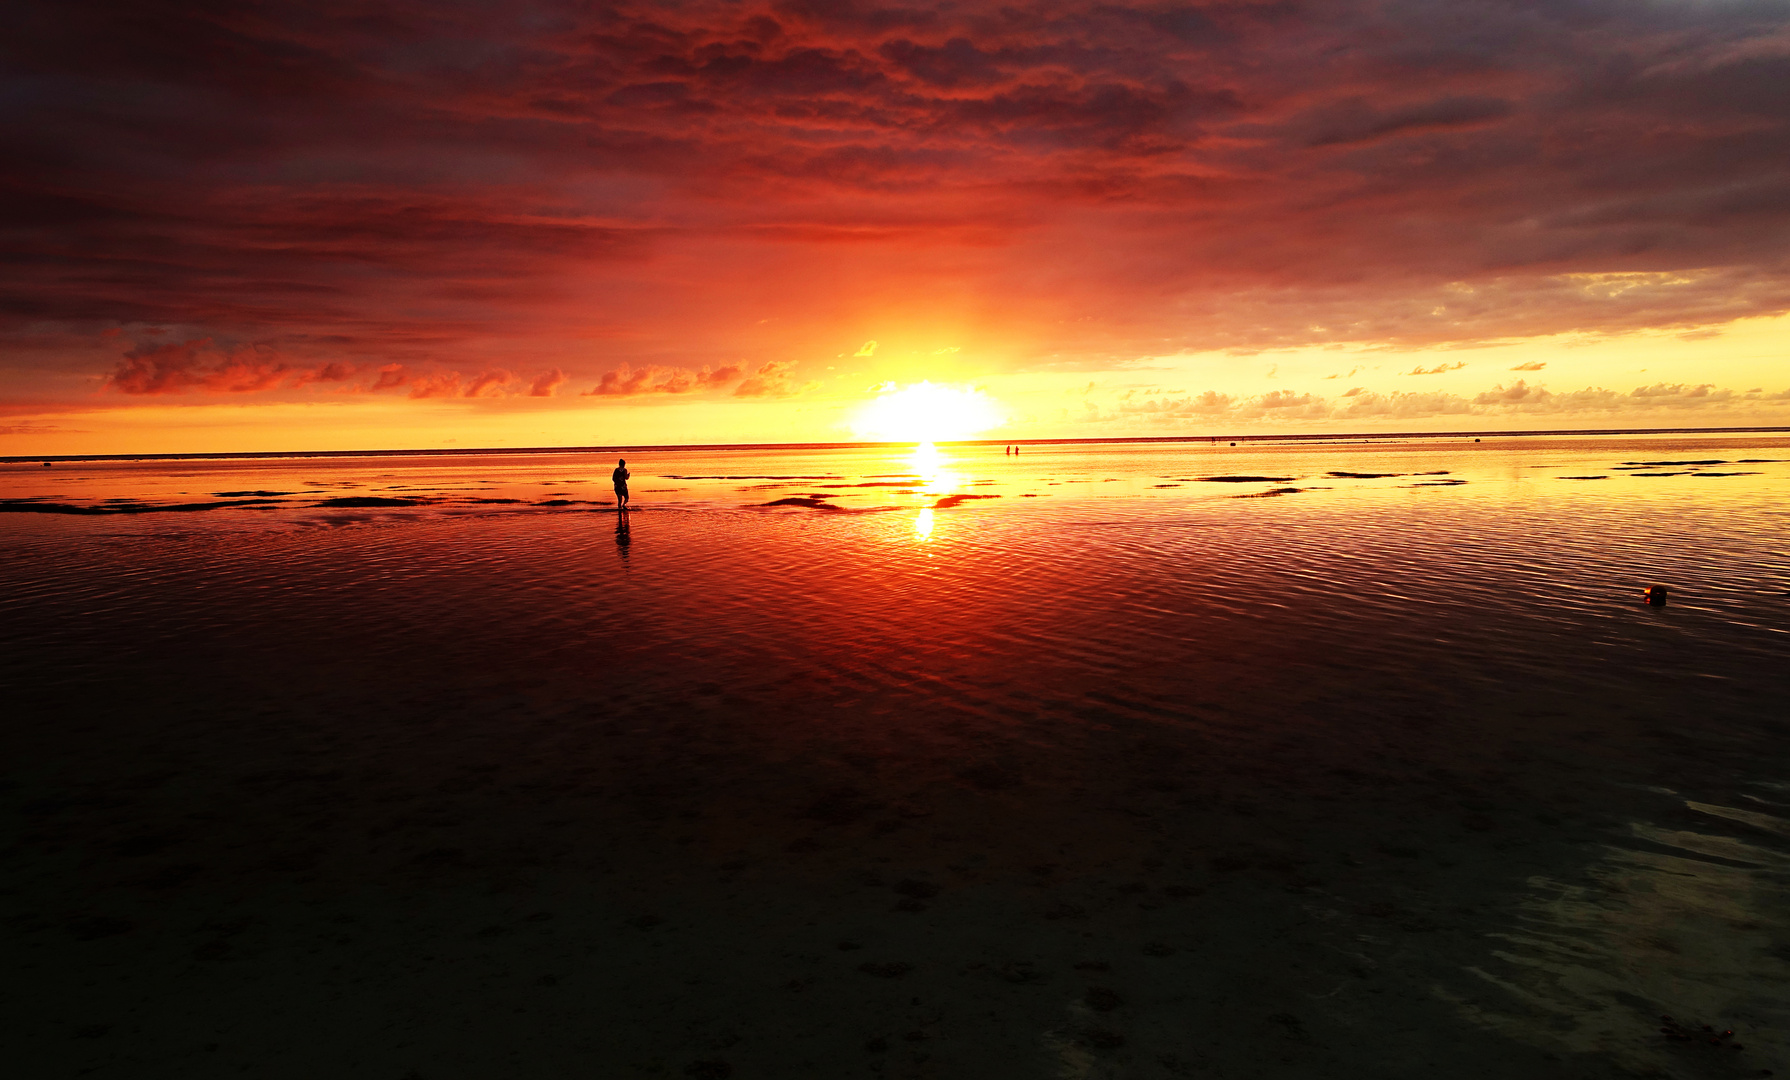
(620, 476)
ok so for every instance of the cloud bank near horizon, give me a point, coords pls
(1683, 403)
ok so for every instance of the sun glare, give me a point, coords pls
(927, 412)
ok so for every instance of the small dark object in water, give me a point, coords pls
(1656, 595)
(46, 464)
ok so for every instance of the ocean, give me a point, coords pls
(1189, 759)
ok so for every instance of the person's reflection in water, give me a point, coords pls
(622, 535)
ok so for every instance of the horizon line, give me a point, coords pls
(687, 447)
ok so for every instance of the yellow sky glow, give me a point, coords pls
(1733, 359)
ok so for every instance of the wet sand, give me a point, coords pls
(469, 889)
(375, 838)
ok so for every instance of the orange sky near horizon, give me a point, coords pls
(342, 226)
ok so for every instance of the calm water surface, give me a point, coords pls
(1401, 701)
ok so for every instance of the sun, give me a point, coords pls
(927, 412)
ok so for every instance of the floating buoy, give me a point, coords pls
(1656, 595)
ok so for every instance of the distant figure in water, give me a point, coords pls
(620, 476)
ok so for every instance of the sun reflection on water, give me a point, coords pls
(933, 469)
(923, 524)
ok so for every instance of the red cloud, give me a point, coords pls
(772, 380)
(488, 384)
(627, 382)
(435, 384)
(328, 373)
(619, 189)
(547, 384)
(195, 365)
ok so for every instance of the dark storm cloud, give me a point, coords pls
(410, 179)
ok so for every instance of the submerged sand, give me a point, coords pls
(208, 882)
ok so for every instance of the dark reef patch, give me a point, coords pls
(1243, 479)
(25, 506)
(371, 501)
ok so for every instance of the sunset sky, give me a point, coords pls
(277, 225)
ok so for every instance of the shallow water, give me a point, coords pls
(1400, 756)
